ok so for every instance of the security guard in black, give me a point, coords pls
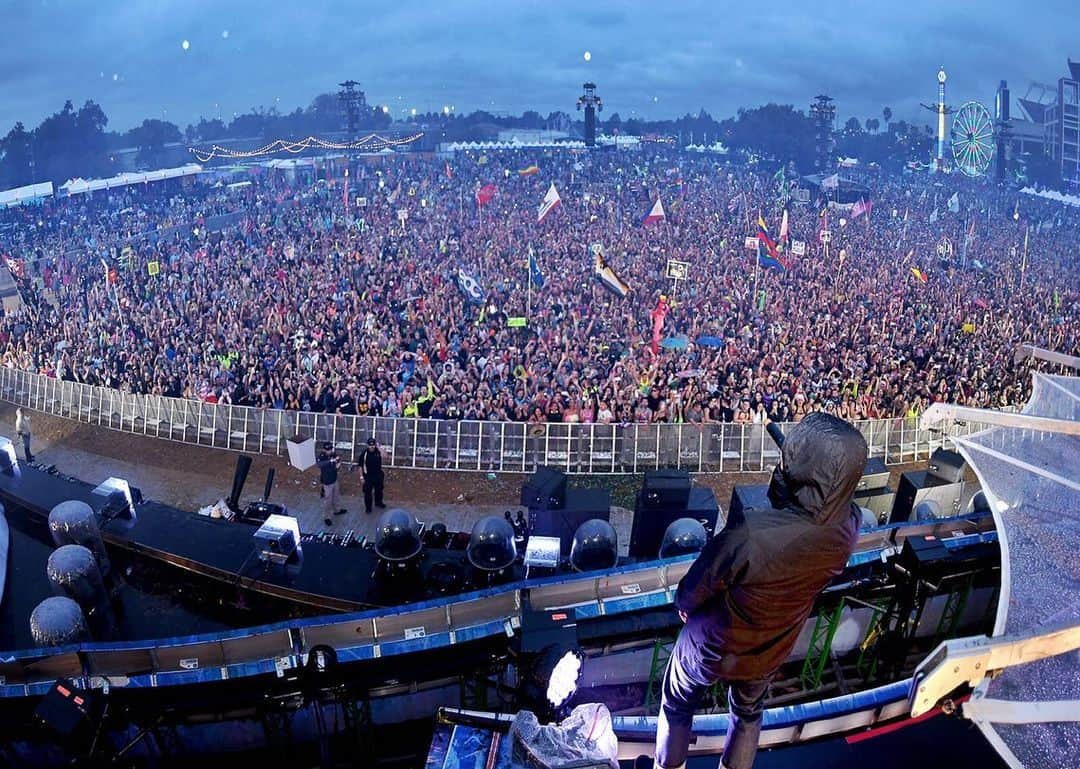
(371, 467)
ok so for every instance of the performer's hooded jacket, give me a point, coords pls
(749, 593)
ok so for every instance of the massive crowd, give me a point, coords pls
(302, 303)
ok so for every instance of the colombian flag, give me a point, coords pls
(763, 236)
(529, 170)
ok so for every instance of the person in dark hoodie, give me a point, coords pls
(746, 598)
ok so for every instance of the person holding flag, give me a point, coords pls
(548, 204)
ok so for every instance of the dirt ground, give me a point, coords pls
(190, 477)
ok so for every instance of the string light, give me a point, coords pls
(369, 142)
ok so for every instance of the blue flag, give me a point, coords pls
(534, 271)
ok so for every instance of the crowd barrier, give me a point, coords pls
(437, 444)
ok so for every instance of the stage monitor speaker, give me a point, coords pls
(546, 488)
(650, 523)
(243, 467)
(946, 465)
(920, 486)
(743, 497)
(919, 554)
(68, 711)
(875, 476)
(580, 505)
(666, 489)
(879, 501)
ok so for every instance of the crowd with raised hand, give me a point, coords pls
(305, 302)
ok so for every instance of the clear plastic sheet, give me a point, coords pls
(586, 733)
(1031, 479)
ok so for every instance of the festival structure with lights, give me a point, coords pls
(369, 143)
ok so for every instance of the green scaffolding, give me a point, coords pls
(817, 655)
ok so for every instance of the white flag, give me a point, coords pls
(551, 199)
(830, 182)
(933, 216)
(954, 203)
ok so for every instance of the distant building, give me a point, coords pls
(1056, 110)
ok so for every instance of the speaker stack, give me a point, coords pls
(665, 497)
(873, 491)
(935, 492)
(558, 511)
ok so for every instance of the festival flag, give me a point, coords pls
(655, 214)
(550, 201)
(485, 194)
(535, 275)
(862, 207)
(954, 203)
(345, 191)
(783, 228)
(16, 266)
(449, 171)
(981, 303)
(830, 182)
(933, 216)
(470, 287)
(919, 274)
(392, 198)
(608, 278)
(1016, 211)
(770, 260)
(763, 236)
(733, 204)
(529, 170)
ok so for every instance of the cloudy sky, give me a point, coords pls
(652, 59)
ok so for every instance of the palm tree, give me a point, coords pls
(887, 114)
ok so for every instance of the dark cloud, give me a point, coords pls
(647, 59)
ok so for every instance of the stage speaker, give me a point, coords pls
(743, 497)
(946, 465)
(879, 501)
(69, 712)
(666, 489)
(650, 523)
(875, 476)
(580, 505)
(919, 554)
(920, 486)
(546, 488)
(243, 467)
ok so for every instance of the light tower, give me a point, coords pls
(353, 106)
(591, 103)
(823, 115)
(941, 110)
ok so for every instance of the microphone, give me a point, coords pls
(776, 434)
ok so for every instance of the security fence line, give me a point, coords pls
(442, 444)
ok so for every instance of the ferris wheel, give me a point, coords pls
(972, 137)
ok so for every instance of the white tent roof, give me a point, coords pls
(79, 186)
(514, 145)
(1069, 200)
(20, 195)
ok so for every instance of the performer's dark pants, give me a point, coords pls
(373, 484)
(26, 447)
(684, 686)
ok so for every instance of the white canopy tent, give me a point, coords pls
(80, 186)
(20, 195)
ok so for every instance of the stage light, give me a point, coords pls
(558, 672)
(588, 56)
(185, 45)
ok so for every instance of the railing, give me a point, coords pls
(443, 444)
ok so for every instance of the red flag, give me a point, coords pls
(485, 194)
(449, 171)
(345, 192)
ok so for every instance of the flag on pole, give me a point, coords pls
(733, 204)
(954, 203)
(608, 278)
(862, 207)
(830, 182)
(345, 191)
(763, 237)
(529, 170)
(783, 228)
(933, 216)
(485, 194)
(919, 274)
(536, 276)
(550, 201)
(449, 171)
(656, 214)
(770, 261)
(393, 196)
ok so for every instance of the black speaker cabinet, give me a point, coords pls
(743, 497)
(650, 523)
(879, 501)
(920, 486)
(666, 489)
(875, 476)
(946, 466)
(580, 505)
(545, 488)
